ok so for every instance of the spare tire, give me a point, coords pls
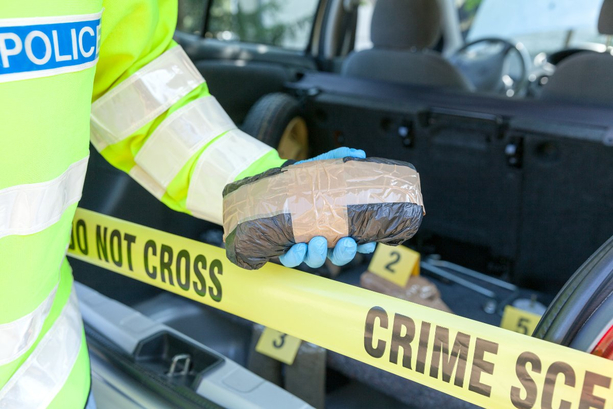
(276, 119)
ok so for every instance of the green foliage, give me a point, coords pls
(261, 25)
(467, 12)
(471, 5)
(191, 14)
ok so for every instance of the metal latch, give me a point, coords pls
(175, 363)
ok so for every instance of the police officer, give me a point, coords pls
(152, 116)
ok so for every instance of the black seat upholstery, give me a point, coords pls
(586, 77)
(402, 31)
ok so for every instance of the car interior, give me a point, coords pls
(513, 143)
(574, 77)
(403, 35)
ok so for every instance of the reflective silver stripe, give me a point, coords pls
(31, 208)
(142, 97)
(218, 165)
(17, 337)
(146, 181)
(44, 372)
(180, 136)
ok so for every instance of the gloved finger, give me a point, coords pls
(338, 153)
(367, 248)
(343, 252)
(294, 256)
(316, 252)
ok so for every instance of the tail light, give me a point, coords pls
(604, 348)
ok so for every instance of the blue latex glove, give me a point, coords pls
(338, 153)
(315, 252)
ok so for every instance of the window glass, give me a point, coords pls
(467, 10)
(541, 25)
(362, 34)
(191, 16)
(552, 41)
(283, 23)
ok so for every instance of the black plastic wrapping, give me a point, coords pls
(383, 204)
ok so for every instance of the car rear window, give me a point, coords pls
(281, 23)
(542, 26)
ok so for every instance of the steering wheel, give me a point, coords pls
(486, 64)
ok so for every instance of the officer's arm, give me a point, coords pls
(153, 116)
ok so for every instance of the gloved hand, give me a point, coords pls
(314, 253)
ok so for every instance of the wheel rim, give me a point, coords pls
(580, 316)
(294, 143)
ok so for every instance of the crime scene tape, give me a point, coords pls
(479, 363)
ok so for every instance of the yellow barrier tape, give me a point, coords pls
(476, 362)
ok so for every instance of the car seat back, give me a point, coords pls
(586, 77)
(402, 32)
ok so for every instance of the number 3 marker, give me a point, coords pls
(278, 345)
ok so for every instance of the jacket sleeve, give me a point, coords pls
(154, 118)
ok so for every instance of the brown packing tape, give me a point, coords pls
(316, 198)
(418, 290)
(304, 378)
(317, 194)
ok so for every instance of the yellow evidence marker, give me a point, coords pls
(395, 264)
(519, 320)
(278, 345)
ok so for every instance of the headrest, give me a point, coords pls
(605, 22)
(405, 24)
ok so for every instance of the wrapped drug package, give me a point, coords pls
(370, 200)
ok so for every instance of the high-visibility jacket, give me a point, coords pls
(110, 71)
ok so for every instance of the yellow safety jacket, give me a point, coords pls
(110, 71)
